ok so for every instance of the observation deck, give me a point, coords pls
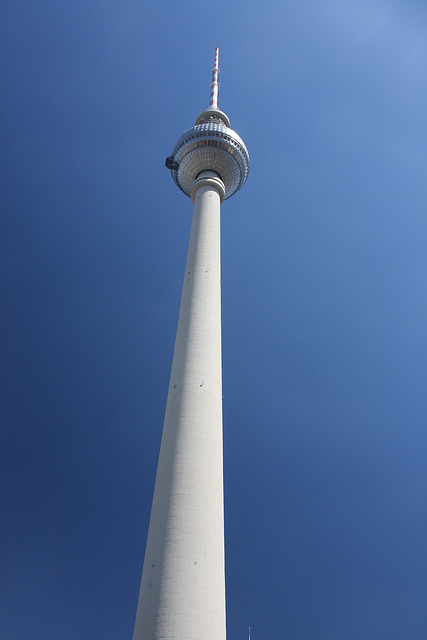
(210, 146)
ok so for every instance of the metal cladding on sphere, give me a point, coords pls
(211, 146)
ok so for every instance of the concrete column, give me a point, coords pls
(182, 594)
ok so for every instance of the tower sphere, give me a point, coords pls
(210, 146)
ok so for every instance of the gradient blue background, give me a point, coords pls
(324, 308)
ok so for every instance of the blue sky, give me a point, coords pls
(324, 308)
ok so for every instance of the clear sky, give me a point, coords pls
(324, 308)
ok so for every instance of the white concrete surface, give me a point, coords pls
(182, 594)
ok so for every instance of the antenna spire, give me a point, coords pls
(215, 85)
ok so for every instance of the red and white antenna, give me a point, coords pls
(214, 86)
(249, 633)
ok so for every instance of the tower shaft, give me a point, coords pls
(182, 594)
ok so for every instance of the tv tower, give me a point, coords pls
(182, 594)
